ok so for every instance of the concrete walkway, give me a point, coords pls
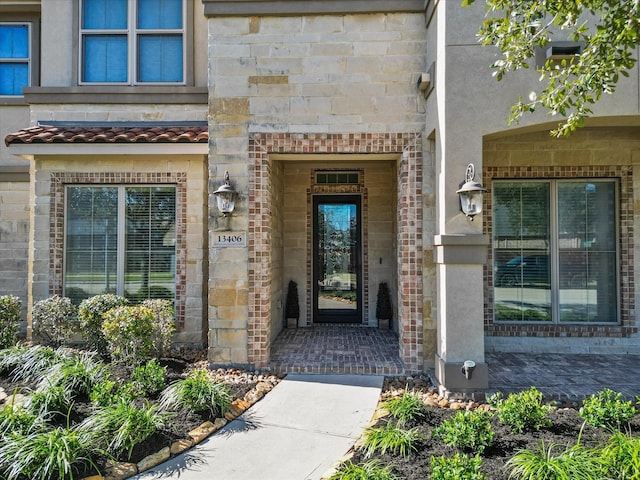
(297, 432)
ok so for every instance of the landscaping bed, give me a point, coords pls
(560, 428)
(182, 427)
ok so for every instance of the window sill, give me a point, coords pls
(554, 330)
(13, 101)
(105, 94)
(306, 7)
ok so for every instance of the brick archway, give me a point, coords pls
(408, 146)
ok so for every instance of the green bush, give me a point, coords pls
(58, 453)
(10, 308)
(371, 470)
(29, 364)
(55, 320)
(466, 430)
(571, 463)
(10, 358)
(522, 411)
(391, 438)
(128, 331)
(149, 379)
(121, 426)
(606, 409)
(406, 408)
(53, 401)
(77, 374)
(90, 315)
(164, 325)
(198, 393)
(109, 392)
(621, 457)
(16, 420)
(458, 467)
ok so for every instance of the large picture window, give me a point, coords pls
(555, 251)
(132, 41)
(120, 239)
(15, 58)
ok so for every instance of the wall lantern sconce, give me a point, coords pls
(471, 194)
(225, 196)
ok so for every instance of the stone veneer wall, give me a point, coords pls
(588, 153)
(14, 239)
(186, 173)
(343, 83)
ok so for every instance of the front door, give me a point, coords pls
(337, 259)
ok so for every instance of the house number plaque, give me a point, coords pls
(230, 239)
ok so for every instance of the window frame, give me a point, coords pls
(133, 33)
(32, 22)
(121, 231)
(554, 253)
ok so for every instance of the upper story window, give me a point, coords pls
(15, 57)
(132, 41)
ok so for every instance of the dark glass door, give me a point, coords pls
(337, 259)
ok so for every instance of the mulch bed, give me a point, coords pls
(241, 383)
(563, 432)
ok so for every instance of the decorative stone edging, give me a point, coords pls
(124, 470)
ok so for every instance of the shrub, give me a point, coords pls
(78, 374)
(120, 427)
(10, 358)
(16, 420)
(542, 464)
(621, 456)
(466, 430)
(164, 325)
(55, 400)
(149, 379)
(371, 470)
(391, 438)
(522, 411)
(458, 467)
(198, 393)
(90, 315)
(55, 320)
(406, 408)
(128, 331)
(32, 362)
(10, 308)
(108, 392)
(57, 453)
(606, 409)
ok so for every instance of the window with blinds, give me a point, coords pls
(555, 251)
(120, 240)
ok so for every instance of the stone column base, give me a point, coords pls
(451, 378)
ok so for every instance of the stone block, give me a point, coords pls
(120, 471)
(203, 431)
(181, 445)
(155, 459)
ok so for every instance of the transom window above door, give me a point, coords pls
(132, 42)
